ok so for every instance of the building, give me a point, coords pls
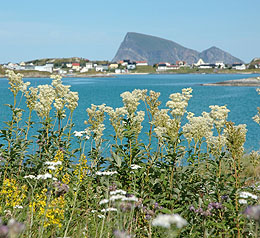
(181, 63)
(89, 66)
(44, 68)
(220, 65)
(76, 66)
(101, 68)
(207, 66)
(113, 66)
(131, 66)
(239, 66)
(200, 62)
(141, 63)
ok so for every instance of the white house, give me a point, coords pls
(239, 66)
(220, 65)
(131, 66)
(200, 62)
(89, 66)
(101, 68)
(45, 68)
(84, 70)
(141, 63)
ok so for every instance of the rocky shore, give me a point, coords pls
(248, 82)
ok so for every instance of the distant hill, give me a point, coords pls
(214, 54)
(136, 46)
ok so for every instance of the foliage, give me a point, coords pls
(187, 180)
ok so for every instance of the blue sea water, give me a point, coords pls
(242, 101)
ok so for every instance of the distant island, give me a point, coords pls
(141, 47)
(135, 56)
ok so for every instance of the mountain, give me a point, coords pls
(214, 54)
(138, 47)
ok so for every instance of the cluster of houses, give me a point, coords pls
(164, 66)
(122, 66)
(76, 67)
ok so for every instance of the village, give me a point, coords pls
(77, 66)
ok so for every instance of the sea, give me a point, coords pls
(241, 101)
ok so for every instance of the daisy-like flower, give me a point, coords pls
(165, 220)
(104, 201)
(242, 201)
(101, 173)
(30, 176)
(110, 209)
(119, 191)
(247, 195)
(135, 166)
(79, 133)
(44, 176)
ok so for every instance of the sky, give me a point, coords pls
(94, 30)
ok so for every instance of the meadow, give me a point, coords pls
(185, 180)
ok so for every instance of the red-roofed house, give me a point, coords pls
(76, 66)
(141, 63)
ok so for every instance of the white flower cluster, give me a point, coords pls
(52, 165)
(152, 102)
(16, 83)
(79, 134)
(119, 196)
(131, 100)
(46, 95)
(247, 195)
(40, 176)
(198, 127)
(95, 121)
(166, 220)
(179, 102)
(106, 173)
(165, 125)
(31, 98)
(116, 119)
(219, 115)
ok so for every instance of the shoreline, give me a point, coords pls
(246, 82)
(112, 75)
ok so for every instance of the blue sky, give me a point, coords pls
(32, 29)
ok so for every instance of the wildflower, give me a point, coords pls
(117, 197)
(247, 195)
(110, 209)
(118, 191)
(30, 176)
(135, 166)
(101, 173)
(79, 133)
(179, 102)
(219, 115)
(165, 220)
(44, 176)
(198, 127)
(72, 100)
(100, 216)
(18, 207)
(132, 199)
(253, 212)
(242, 201)
(103, 201)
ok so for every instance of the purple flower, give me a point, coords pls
(192, 208)
(253, 212)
